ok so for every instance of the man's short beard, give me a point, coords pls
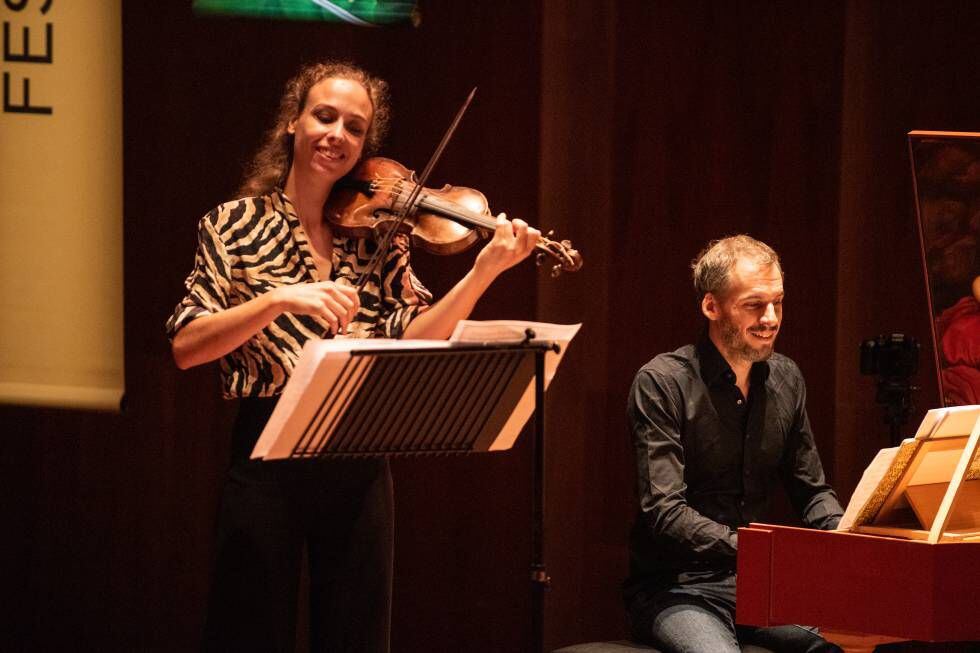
(738, 346)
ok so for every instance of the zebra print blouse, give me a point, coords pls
(249, 246)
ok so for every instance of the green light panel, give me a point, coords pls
(355, 12)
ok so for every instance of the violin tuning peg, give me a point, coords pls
(539, 259)
(550, 234)
(555, 271)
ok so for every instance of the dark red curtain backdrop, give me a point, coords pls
(640, 130)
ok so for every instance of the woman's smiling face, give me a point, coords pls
(330, 132)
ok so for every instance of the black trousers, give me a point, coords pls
(340, 510)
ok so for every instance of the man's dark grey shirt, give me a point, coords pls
(708, 460)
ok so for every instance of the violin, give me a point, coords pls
(369, 201)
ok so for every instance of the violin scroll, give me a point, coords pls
(567, 257)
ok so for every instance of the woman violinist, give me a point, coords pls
(270, 274)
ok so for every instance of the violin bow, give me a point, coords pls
(409, 205)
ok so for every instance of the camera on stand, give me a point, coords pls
(894, 359)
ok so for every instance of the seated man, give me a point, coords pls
(715, 425)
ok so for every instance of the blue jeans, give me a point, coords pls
(698, 616)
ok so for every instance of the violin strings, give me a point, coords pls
(391, 184)
(459, 212)
(410, 204)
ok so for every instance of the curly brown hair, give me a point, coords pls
(270, 165)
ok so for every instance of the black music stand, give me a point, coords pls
(443, 400)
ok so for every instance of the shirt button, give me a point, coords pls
(739, 402)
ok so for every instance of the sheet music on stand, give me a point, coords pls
(927, 488)
(474, 392)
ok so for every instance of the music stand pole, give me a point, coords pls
(540, 581)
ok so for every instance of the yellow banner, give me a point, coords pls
(61, 266)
